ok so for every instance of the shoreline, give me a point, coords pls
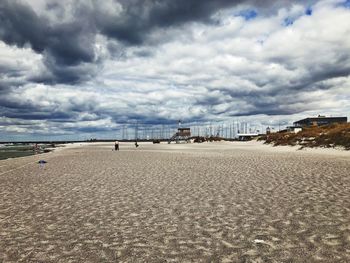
(226, 145)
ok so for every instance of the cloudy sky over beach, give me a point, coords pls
(89, 67)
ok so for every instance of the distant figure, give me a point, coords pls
(116, 146)
(42, 163)
(136, 145)
(36, 148)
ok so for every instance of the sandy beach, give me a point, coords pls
(210, 202)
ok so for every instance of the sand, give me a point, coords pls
(210, 202)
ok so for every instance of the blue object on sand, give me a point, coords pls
(42, 161)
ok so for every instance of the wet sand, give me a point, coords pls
(210, 202)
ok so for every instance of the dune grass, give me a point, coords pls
(330, 136)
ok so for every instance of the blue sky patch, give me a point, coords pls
(308, 11)
(248, 14)
(288, 21)
(345, 4)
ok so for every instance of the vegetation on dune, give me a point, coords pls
(334, 135)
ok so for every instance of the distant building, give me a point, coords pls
(294, 129)
(247, 136)
(184, 131)
(182, 134)
(319, 121)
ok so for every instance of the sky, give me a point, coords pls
(83, 68)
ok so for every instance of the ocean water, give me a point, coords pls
(20, 150)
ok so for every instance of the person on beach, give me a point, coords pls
(116, 146)
(136, 144)
(36, 148)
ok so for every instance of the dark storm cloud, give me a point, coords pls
(10, 72)
(88, 129)
(64, 73)
(16, 108)
(139, 17)
(10, 76)
(62, 45)
(7, 85)
(37, 114)
(68, 43)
